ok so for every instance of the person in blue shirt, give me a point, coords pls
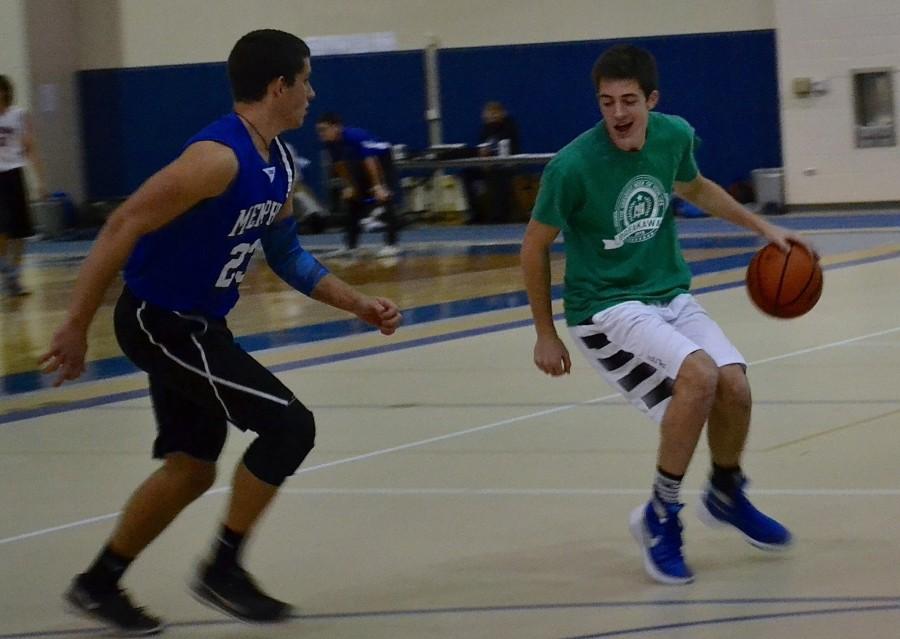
(185, 239)
(365, 165)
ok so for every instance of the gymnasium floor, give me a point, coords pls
(457, 492)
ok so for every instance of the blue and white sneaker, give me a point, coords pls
(657, 530)
(718, 509)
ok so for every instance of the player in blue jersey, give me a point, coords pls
(365, 164)
(185, 238)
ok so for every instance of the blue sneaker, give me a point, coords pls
(657, 530)
(718, 509)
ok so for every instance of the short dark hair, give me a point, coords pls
(6, 88)
(627, 62)
(331, 118)
(262, 56)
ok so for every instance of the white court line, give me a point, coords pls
(822, 347)
(74, 524)
(337, 462)
(881, 345)
(431, 440)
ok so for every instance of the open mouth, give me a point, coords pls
(623, 129)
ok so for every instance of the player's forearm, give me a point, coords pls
(536, 273)
(713, 199)
(335, 292)
(373, 168)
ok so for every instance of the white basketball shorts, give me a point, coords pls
(638, 348)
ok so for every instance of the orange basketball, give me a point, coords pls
(784, 285)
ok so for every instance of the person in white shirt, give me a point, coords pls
(17, 149)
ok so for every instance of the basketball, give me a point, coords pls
(784, 285)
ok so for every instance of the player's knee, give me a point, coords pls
(733, 388)
(700, 374)
(278, 452)
(194, 475)
(298, 436)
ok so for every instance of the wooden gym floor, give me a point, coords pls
(457, 492)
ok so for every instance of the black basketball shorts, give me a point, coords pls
(15, 220)
(200, 378)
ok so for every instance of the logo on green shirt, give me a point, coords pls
(639, 211)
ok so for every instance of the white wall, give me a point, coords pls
(53, 63)
(825, 40)
(99, 34)
(13, 48)
(155, 32)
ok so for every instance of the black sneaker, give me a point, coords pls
(114, 610)
(233, 591)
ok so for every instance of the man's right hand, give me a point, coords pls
(380, 312)
(552, 356)
(66, 353)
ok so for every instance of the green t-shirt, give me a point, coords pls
(614, 210)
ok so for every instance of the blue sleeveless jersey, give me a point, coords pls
(195, 263)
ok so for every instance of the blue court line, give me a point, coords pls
(737, 619)
(286, 366)
(736, 241)
(801, 223)
(515, 231)
(510, 300)
(513, 246)
(115, 366)
(883, 603)
(504, 247)
(507, 238)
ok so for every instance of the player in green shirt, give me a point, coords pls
(628, 306)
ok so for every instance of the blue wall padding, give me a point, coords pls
(136, 120)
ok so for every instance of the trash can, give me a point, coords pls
(768, 184)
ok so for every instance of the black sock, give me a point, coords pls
(227, 550)
(104, 574)
(666, 487)
(725, 478)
